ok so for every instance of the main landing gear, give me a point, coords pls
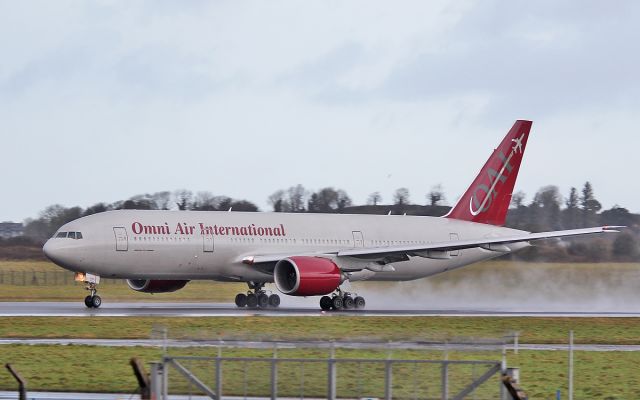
(92, 300)
(257, 297)
(341, 301)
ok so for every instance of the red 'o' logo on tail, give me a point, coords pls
(475, 201)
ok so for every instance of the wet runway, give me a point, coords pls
(113, 309)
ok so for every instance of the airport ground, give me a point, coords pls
(598, 374)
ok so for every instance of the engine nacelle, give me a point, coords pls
(155, 285)
(307, 276)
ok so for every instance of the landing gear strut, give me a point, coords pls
(341, 301)
(257, 297)
(92, 300)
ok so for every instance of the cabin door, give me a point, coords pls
(122, 241)
(207, 243)
(358, 240)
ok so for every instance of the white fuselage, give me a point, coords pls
(189, 245)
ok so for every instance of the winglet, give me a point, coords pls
(487, 199)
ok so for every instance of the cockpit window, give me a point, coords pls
(69, 235)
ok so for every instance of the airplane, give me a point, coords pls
(159, 251)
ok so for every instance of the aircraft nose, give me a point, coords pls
(49, 250)
(66, 253)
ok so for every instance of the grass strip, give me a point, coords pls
(336, 327)
(598, 375)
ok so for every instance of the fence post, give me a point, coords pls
(274, 372)
(22, 384)
(331, 362)
(218, 376)
(503, 371)
(445, 380)
(387, 379)
(570, 394)
(156, 380)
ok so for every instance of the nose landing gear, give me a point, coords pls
(91, 281)
(342, 301)
(257, 297)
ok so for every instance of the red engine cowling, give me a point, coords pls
(155, 285)
(307, 276)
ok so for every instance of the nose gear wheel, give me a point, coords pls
(92, 300)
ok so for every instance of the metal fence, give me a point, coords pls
(45, 278)
(330, 378)
(332, 369)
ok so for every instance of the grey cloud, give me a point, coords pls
(488, 53)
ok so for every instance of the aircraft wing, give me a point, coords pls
(490, 243)
(402, 253)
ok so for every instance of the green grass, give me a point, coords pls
(198, 291)
(28, 265)
(598, 375)
(532, 330)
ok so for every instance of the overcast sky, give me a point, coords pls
(100, 101)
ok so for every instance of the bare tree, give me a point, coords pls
(401, 196)
(546, 208)
(517, 199)
(183, 199)
(162, 200)
(278, 202)
(206, 201)
(436, 195)
(328, 200)
(297, 196)
(374, 198)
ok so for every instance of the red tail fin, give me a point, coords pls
(487, 199)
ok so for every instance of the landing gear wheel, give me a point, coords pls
(87, 302)
(252, 300)
(241, 300)
(326, 303)
(274, 300)
(359, 302)
(337, 303)
(263, 300)
(348, 302)
(96, 301)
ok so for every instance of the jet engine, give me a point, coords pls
(307, 276)
(155, 285)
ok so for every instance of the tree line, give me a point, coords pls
(548, 210)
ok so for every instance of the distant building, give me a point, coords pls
(11, 229)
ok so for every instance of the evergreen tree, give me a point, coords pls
(572, 212)
(590, 206)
